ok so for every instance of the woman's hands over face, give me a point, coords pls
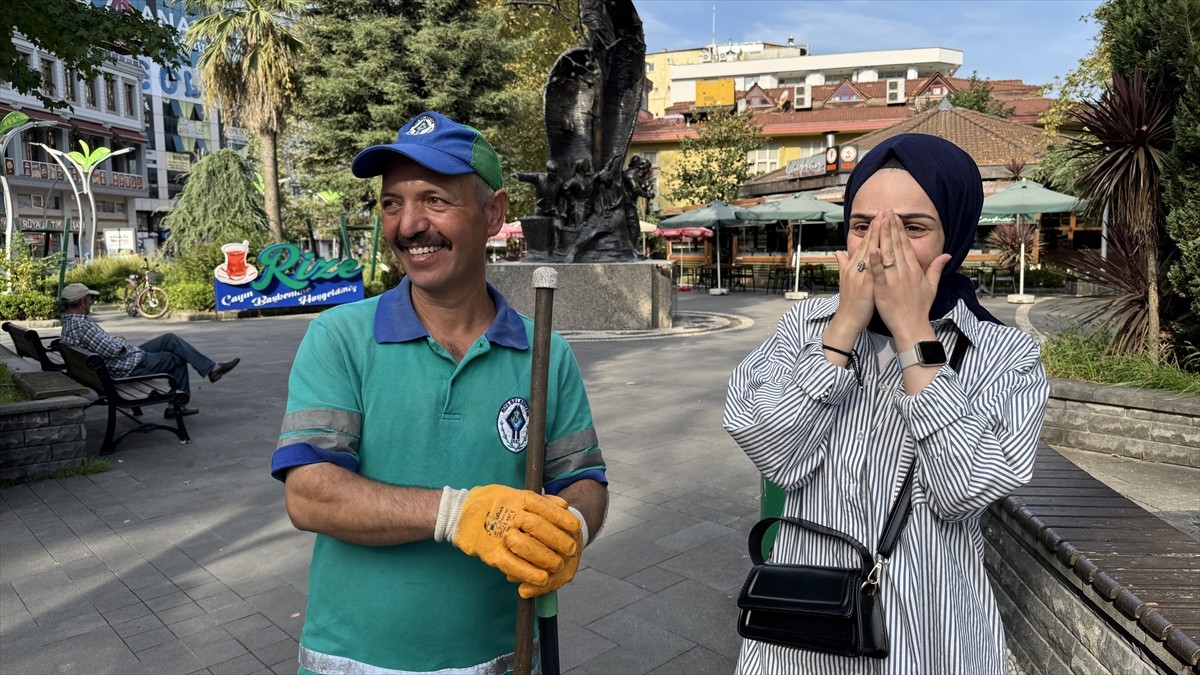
(903, 291)
(856, 283)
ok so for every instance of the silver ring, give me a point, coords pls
(889, 266)
(860, 266)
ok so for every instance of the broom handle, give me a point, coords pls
(545, 279)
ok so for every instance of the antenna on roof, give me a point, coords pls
(714, 30)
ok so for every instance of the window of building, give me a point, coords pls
(131, 107)
(652, 157)
(24, 201)
(110, 94)
(89, 92)
(764, 159)
(845, 93)
(649, 67)
(937, 90)
(69, 80)
(33, 149)
(48, 87)
(762, 240)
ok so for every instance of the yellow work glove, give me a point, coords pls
(560, 578)
(523, 534)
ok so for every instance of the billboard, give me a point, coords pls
(714, 93)
(283, 277)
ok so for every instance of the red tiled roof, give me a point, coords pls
(988, 139)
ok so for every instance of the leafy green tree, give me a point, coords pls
(219, 204)
(713, 164)
(538, 33)
(81, 35)
(374, 64)
(978, 97)
(248, 62)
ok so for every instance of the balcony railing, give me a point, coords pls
(50, 171)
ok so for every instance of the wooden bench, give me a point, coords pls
(30, 345)
(1138, 572)
(125, 393)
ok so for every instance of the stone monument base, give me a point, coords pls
(595, 296)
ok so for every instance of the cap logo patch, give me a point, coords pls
(425, 124)
(512, 423)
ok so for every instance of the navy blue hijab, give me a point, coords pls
(951, 179)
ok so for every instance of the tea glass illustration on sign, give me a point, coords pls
(236, 270)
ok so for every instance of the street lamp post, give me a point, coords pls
(13, 124)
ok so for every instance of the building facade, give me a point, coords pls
(156, 111)
(803, 103)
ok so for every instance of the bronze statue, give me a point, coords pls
(592, 97)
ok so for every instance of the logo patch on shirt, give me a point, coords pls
(513, 424)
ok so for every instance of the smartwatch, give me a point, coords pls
(924, 353)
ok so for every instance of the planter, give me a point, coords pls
(38, 438)
(1146, 424)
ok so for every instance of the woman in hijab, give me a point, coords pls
(852, 390)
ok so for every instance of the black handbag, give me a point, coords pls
(826, 609)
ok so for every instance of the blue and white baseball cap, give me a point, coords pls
(439, 144)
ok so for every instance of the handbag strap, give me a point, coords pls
(760, 529)
(903, 506)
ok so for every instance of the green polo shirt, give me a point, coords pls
(371, 391)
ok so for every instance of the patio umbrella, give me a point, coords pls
(683, 233)
(507, 231)
(1029, 198)
(715, 215)
(801, 207)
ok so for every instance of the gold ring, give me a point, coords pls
(889, 266)
(860, 266)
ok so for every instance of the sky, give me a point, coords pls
(1030, 40)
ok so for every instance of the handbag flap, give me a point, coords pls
(807, 589)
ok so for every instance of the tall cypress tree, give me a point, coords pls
(374, 64)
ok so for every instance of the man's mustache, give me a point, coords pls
(421, 240)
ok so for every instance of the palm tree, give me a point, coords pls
(1130, 134)
(248, 55)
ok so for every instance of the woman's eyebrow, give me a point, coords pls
(903, 216)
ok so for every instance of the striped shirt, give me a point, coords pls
(840, 452)
(80, 331)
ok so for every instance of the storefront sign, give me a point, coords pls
(808, 166)
(831, 159)
(847, 158)
(192, 128)
(284, 277)
(179, 161)
(118, 241)
(236, 134)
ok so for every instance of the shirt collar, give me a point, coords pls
(960, 315)
(397, 321)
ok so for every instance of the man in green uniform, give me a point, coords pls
(403, 443)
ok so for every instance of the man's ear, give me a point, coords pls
(496, 211)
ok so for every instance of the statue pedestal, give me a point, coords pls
(595, 296)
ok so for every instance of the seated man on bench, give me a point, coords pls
(167, 353)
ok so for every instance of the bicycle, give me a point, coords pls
(144, 296)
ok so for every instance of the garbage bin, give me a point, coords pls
(770, 506)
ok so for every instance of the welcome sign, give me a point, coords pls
(284, 277)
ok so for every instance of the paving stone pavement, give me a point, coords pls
(181, 559)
